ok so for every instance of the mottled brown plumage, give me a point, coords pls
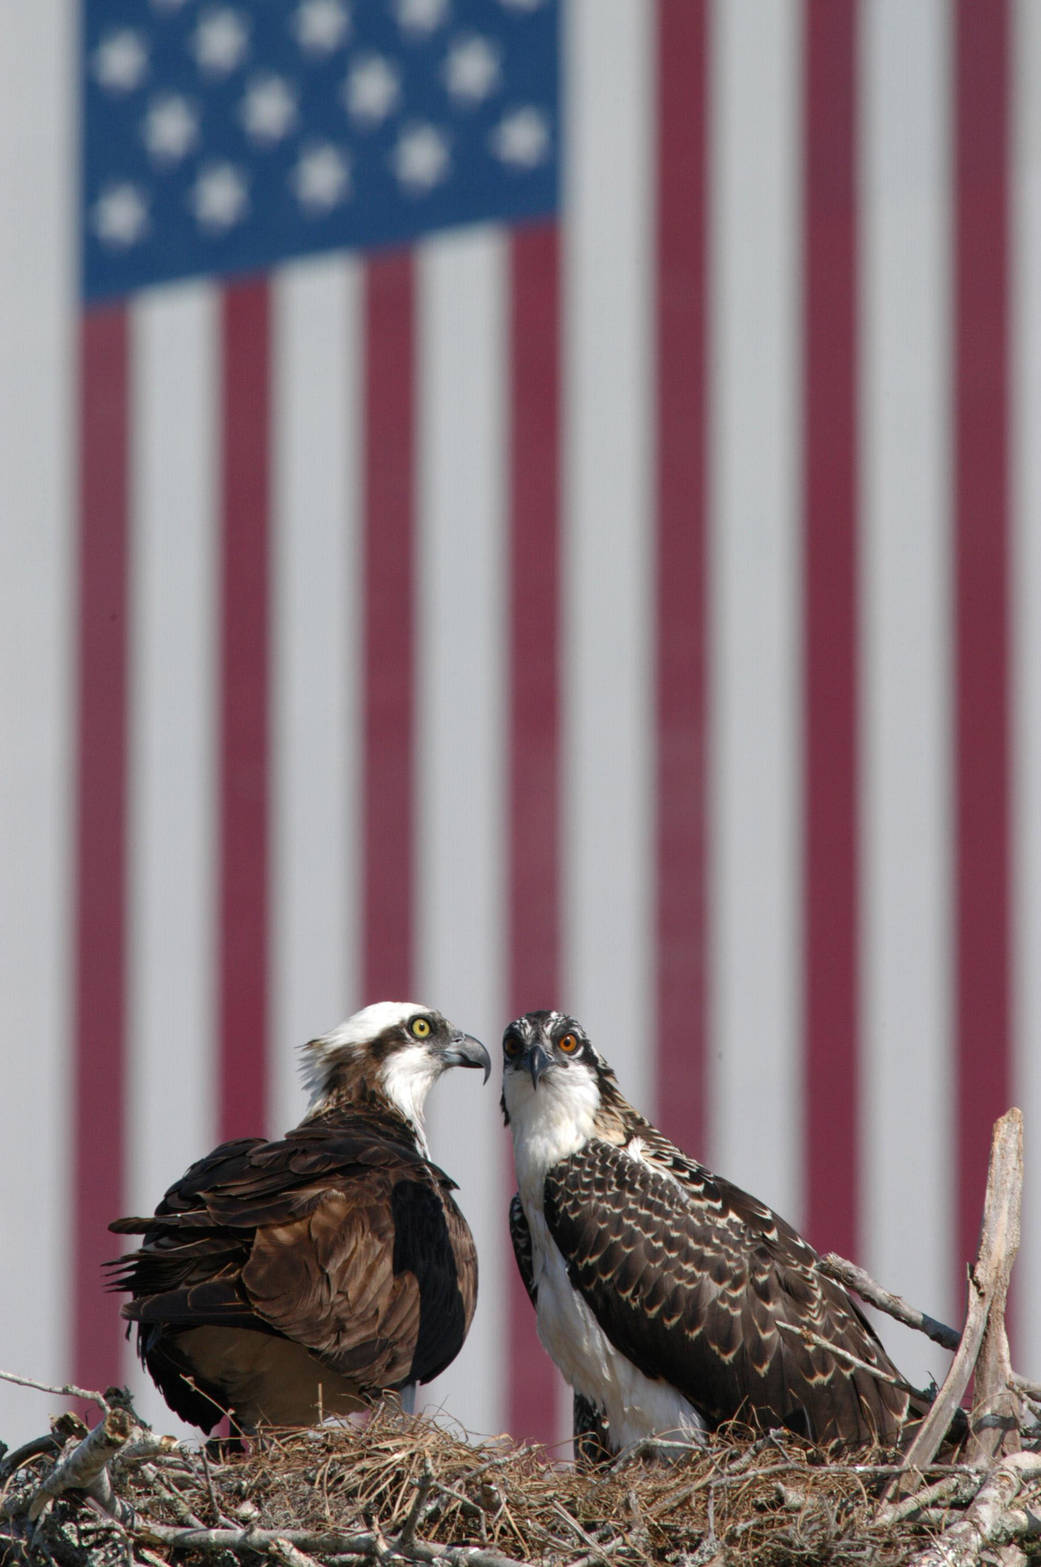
(281, 1280)
(698, 1285)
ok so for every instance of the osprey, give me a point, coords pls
(280, 1281)
(671, 1300)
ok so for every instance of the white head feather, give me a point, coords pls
(408, 1073)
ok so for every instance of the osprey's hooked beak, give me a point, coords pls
(465, 1050)
(539, 1062)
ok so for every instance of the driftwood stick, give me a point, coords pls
(1029, 1390)
(83, 1467)
(862, 1284)
(952, 1488)
(146, 1445)
(809, 1337)
(360, 1546)
(994, 1421)
(987, 1519)
(285, 1552)
(982, 1277)
(67, 1390)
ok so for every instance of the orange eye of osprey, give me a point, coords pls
(569, 1044)
(511, 1046)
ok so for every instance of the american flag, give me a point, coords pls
(513, 503)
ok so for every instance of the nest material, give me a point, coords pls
(409, 1489)
(402, 1489)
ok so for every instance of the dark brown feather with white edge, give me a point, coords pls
(700, 1287)
(279, 1281)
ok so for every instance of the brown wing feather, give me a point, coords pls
(340, 1237)
(700, 1284)
(327, 1281)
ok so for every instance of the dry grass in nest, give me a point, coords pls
(774, 1501)
(406, 1489)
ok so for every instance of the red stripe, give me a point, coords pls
(681, 564)
(830, 553)
(389, 630)
(534, 764)
(982, 620)
(244, 710)
(100, 1061)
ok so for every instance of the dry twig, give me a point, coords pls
(987, 1519)
(83, 1467)
(862, 1284)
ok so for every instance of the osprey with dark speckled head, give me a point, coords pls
(280, 1281)
(671, 1300)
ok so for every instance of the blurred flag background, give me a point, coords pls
(508, 503)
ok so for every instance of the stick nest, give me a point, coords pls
(411, 1489)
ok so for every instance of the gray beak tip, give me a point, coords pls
(538, 1063)
(467, 1051)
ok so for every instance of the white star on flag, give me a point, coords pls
(121, 61)
(221, 41)
(120, 216)
(171, 128)
(321, 26)
(521, 138)
(321, 178)
(219, 197)
(472, 70)
(372, 89)
(268, 110)
(420, 16)
(420, 158)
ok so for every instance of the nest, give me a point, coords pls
(397, 1489)
(404, 1488)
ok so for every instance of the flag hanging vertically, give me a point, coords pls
(514, 503)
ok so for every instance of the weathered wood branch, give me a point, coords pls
(862, 1284)
(362, 1547)
(994, 1420)
(82, 1469)
(66, 1390)
(987, 1519)
(988, 1286)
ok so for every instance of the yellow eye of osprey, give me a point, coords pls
(569, 1044)
(420, 1027)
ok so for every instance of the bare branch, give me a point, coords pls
(987, 1519)
(1000, 1223)
(994, 1420)
(67, 1390)
(895, 1306)
(809, 1337)
(83, 1467)
(322, 1545)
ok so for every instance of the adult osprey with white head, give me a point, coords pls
(671, 1300)
(280, 1281)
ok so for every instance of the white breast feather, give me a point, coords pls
(637, 1406)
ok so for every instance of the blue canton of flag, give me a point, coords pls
(224, 138)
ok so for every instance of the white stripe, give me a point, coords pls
(906, 699)
(460, 782)
(37, 621)
(755, 602)
(172, 749)
(608, 705)
(1025, 341)
(316, 830)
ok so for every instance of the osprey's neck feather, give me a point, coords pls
(556, 1119)
(396, 1086)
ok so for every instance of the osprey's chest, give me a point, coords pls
(636, 1406)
